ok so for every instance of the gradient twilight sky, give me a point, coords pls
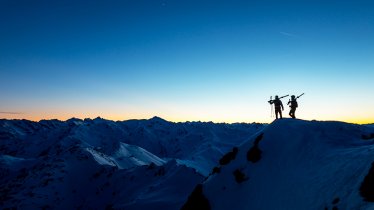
(186, 60)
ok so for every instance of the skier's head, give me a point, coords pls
(276, 97)
(293, 97)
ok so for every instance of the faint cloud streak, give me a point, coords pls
(289, 34)
(11, 113)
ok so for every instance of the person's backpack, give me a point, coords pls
(294, 104)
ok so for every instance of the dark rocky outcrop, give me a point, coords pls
(335, 201)
(239, 176)
(367, 136)
(216, 170)
(367, 186)
(197, 200)
(254, 153)
(227, 158)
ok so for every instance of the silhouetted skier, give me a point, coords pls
(277, 105)
(293, 105)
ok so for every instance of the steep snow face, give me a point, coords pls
(294, 164)
(99, 164)
(127, 156)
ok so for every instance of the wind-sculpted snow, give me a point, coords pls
(102, 164)
(302, 165)
(127, 156)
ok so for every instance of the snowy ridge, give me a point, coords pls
(294, 164)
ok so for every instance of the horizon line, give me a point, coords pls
(185, 121)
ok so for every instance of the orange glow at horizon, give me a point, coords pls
(172, 118)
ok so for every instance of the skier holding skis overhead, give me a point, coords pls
(277, 105)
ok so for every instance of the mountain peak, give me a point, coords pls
(157, 119)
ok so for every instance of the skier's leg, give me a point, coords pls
(276, 114)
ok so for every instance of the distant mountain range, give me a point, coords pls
(102, 164)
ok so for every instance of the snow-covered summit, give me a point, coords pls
(157, 119)
(294, 164)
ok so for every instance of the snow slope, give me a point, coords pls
(294, 164)
(102, 164)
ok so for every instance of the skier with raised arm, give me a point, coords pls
(278, 105)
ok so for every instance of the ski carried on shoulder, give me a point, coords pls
(284, 96)
(271, 101)
(299, 95)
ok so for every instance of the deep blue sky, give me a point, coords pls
(186, 60)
